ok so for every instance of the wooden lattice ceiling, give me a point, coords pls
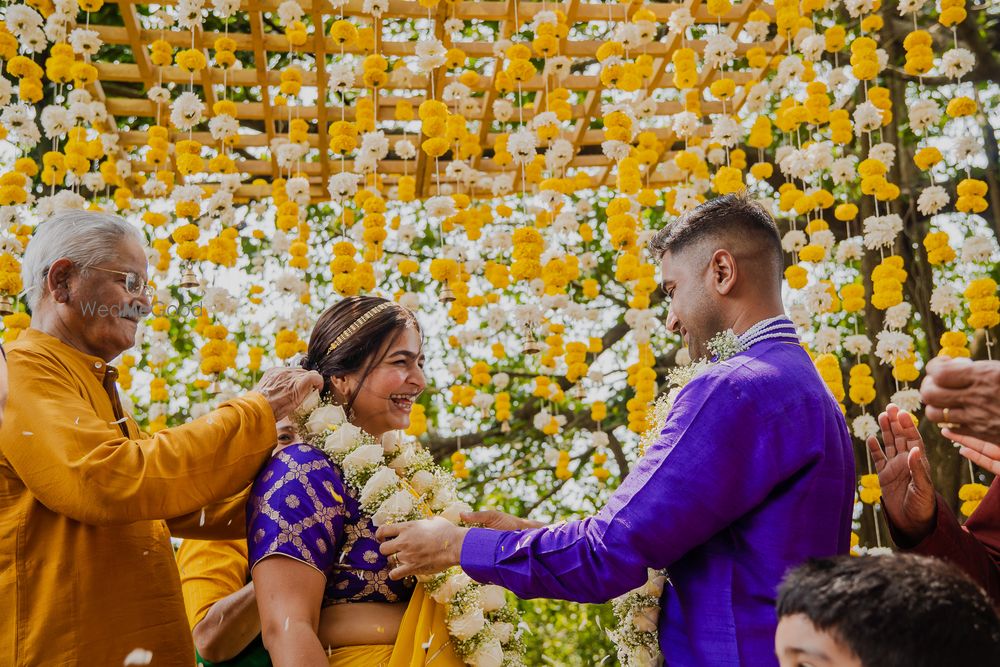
(262, 43)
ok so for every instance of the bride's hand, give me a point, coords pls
(498, 520)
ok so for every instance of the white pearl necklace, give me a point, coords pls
(772, 328)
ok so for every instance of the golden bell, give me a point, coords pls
(505, 426)
(579, 392)
(447, 295)
(214, 388)
(189, 280)
(531, 345)
(6, 305)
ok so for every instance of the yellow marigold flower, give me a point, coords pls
(796, 276)
(961, 106)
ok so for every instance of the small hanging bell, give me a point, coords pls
(579, 392)
(6, 305)
(505, 426)
(531, 345)
(189, 280)
(215, 387)
(447, 295)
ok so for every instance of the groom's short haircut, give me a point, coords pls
(897, 610)
(736, 222)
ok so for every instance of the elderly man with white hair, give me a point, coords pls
(88, 501)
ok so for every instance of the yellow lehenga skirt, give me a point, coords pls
(423, 639)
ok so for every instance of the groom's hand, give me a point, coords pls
(428, 546)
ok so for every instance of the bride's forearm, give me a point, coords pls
(295, 645)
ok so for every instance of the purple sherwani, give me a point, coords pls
(753, 474)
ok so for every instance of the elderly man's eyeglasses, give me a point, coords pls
(133, 283)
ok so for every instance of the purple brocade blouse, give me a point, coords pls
(300, 507)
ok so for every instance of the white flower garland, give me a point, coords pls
(398, 481)
(637, 613)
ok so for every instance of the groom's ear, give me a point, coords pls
(723, 269)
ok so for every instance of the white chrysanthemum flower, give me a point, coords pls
(289, 12)
(850, 250)
(286, 153)
(891, 346)
(374, 144)
(297, 189)
(615, 150)
(719, 50)
(793, 240)
(725, 131)
(455, 91)
(502, 110)
(93, 181)
(679, 21)
(230, 182)
(503, 184)
(966, 148)
(85, 42)
(757, 97)
(757, 31)
(858, 344)
(858, 7)
(154, 187)
(186, 111)
(836, 78)
(881, 230)
(629, 34)
(867, 118)
(58, 25)
(826, 340)
(897, 316)
(451, 26)
(22, 19)
(800, 315)
(685, 124)
(223, 126)
(812, 47)
(645, 107)
(957, 62)
(884, 152)
(80, 113)
(440, 207)
(923, 113)
(796, 164)
(500, 47)
(907, 399)
(405, 149)
(817, 298)
(864, 426)
(932, 200)
(341, 76)
(843, 170)
(55, 121)
(430, 54)
(789, 69)
(559, 154)
(189, 14)
(823, 237)
(225, 8)
(557, 66)
(686, 200)
(945, 300)
(343, 185)
(910, 6)
(522, 145)
(977, 249)
(158, 94)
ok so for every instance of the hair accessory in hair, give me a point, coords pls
(358, 323)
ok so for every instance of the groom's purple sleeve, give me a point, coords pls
(722, 452)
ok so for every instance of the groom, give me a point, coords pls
(752, 474)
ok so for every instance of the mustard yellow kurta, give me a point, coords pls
(87, 573)
(210, 570)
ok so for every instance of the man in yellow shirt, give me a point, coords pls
(219, 596)
(87, 501)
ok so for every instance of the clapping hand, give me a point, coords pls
(904, 474)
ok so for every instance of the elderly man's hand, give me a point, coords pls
(962, 395)
(428, 546)
(286, 388)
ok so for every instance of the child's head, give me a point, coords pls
(286, 433)
(884, 611)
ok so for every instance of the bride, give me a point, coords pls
(323, 589)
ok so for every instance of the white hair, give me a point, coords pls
(86, 238)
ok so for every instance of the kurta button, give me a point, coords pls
(97, 364)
